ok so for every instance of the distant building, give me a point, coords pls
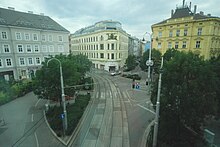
(105, 44)
(188, 31)
(134, 47)
(26, 39)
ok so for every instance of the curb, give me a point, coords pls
(146, 133)
(51, 130)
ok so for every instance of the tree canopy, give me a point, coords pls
(188, 94)
(155, 56)
(47, 80)
(130, 62)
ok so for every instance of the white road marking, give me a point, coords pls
(37, 102)
(35, 134)
(146, 109)
(32, 117)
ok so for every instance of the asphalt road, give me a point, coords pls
(24, 124)
(117, 115)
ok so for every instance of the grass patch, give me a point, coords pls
(74, 113)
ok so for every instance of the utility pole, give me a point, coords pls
(156, 122)
(65, 125)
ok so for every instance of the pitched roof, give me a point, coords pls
(186, 12)
(28, 20)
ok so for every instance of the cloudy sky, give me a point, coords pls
(136, 16)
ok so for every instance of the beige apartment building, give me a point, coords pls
(188, 30)
(26, 39)
(105, 44)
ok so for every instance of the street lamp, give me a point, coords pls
(157, 107)
(149, 62)
(63, 95)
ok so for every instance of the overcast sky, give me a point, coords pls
(136, 16)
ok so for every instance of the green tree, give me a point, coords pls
(47, 80)
(155, 56)
(130, 62)
(188, 94)
(215, 62)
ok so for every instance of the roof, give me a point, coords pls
(102, 25)
(28, 20)
(186, 12)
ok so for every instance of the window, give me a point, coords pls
(22, 61)
(185, 32)
(35, 37)
(177, 33)
(176, 45)
(101, 46)
(36, 48)
(6, 48)
(169, 45)
(43, 38)
(159, 45)
(184, 44)
(159, 34)
(108, 46)
(37, 60)
(29, 48)
(199, 31)
(112, 55)
(102, 38)
(51, 48)
(1, 65)
(60, 48)
(50, 37)
(198, 44)
(171, 34)
(60, 38)
(101, 55)
(18, 36)
(27, 36)
(113, 46)
(30, 61)
(8, 62)
(108, 55)
(20, 48)
(4, 35)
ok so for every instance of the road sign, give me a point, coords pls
(62, 116)
(149, 63)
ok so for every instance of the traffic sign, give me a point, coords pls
(149, 63)
(62, 116)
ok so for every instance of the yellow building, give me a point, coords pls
(188, 31)
(105, 44)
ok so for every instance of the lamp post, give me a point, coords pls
(149, 62)
(63, 95)
(157, 107)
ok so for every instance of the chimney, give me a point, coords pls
(11, 8)
(183, 3)
(171, 13)
(190, 6)
(201, 12)
(31, 12)
(195, 6)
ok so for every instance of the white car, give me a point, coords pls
(113, 73)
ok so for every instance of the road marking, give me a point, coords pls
(37, 102)
(32, 117)
(35, 134)
(146, 109)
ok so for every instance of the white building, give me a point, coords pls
(105, 43)
(26, 39)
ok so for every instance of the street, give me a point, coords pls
(24, 124)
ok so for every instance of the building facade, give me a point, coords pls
(105, 44)
(188, 31)
(26, 39)
(134, 46)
